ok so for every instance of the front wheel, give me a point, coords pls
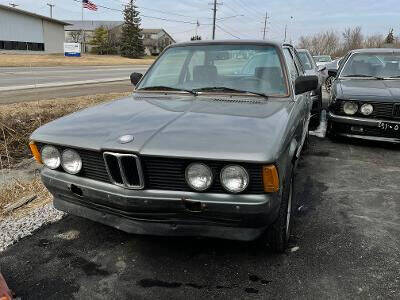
(278, 233)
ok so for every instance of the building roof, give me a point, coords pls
(90, 25)
(24, 12)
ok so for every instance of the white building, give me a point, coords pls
(21, 30)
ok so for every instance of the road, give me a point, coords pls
(347, 230)
(39, 83)
(346, 237)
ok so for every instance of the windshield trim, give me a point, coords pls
(279, 50)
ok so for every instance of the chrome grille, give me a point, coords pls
(382, 110)
(396, 110)
(124, 170)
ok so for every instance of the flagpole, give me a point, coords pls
(83, 32)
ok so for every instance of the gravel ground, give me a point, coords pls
(12, 230)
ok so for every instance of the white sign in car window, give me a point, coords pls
(72, 49)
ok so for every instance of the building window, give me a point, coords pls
(16, 45)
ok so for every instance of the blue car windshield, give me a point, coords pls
(252, 68)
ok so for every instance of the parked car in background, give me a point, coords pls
(322, 60)
(365, 95)
(205, 146)
(334, 67)
(311, 68)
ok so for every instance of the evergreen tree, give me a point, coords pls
(390, 37)
(100, 40)
(131, 38)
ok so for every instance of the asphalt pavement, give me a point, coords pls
(347, 231)
(345, 244)
(39, 83)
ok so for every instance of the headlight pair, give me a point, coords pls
(234, 178)
(351, 108)
(70, 160)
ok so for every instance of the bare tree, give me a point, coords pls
(321, 43)
(76, 36)
(352, 38)
(374, 41)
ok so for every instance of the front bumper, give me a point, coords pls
(363, 128)
(165, 213)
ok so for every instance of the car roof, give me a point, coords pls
(376, 50)
(227, 42)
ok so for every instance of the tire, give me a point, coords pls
(279, 232)
(330, 133)
(316, 117)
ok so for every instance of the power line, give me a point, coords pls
(219, 27)
(145, 16)
(245, 7)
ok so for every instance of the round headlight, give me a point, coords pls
(350, 108)
(51, 157)
(367, 109)
(234, 179)
(199, 176)
(71, 161)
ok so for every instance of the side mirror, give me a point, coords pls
(321, 68)
(135, 78)
(332, 73)
(305, 84)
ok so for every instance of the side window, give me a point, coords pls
(298, 64)
(291, 64)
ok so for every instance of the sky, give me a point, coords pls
(242, 19)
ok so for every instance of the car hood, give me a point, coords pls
(368, 89)
(245, 129)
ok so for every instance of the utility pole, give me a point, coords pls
(285, 33)
(51, 9)
(13, 5)
(265, 24)
(214, 18)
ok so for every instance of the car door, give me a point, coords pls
(303, 104)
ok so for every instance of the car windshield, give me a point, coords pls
(223, 68)
(305, 60)
(382, 65)
(323, 58)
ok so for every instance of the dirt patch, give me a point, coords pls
(18, 121)
(18, 189)
(51, 60)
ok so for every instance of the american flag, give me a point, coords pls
(89, 5)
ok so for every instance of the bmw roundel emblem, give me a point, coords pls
(124, 139)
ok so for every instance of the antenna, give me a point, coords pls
(51, 9)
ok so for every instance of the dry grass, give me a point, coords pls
(16, 190)
(50, 60)
(18, 121)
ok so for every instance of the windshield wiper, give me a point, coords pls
(364, 76)
(166, 88)
(393, 77)
(227, 89)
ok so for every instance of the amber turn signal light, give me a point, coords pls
(270, 179)
(35, 152)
